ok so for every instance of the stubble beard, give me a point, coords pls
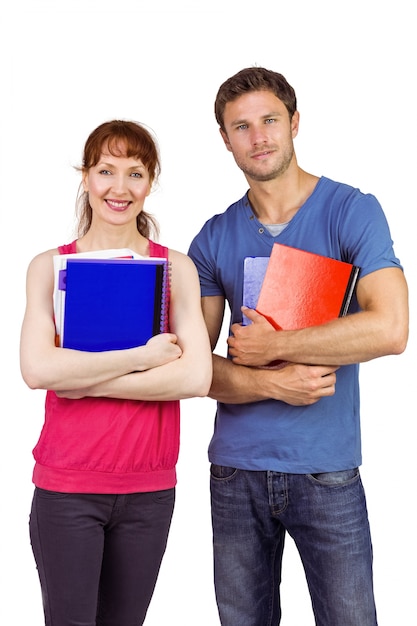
(276, 170)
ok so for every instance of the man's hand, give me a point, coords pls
(251, 344)
(301, 385)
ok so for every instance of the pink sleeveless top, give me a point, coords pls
(106, 445)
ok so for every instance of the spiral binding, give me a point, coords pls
(165, 300)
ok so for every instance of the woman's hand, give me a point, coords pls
(159, 350)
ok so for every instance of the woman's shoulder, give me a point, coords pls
(175, 256)
(41, 267)
(44, 257)
(182, 267)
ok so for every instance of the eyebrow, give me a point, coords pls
(267, 116)
(110, 165)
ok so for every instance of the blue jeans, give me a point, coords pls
(98, 556)
(326, 516)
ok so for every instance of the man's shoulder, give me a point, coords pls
(331, 186)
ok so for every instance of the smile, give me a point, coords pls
(117, 206)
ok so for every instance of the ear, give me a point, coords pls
(295, 124)
(225, 139)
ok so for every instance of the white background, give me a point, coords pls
(68, 66)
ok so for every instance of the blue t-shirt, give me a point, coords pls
(337, 221)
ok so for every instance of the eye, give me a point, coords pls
(242, 127)
(104, 172)
(136, 175)
(270, 120)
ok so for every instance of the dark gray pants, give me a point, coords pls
(98, 555)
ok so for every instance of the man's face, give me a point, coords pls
(260, 134)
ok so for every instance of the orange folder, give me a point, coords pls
(302, 289)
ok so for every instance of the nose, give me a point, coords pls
(119, 184)
(259, 135)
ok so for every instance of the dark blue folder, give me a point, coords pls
(113, 304)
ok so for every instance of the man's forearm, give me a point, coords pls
(235, 384)
(295, 384)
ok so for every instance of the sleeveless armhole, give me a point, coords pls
(68, 248)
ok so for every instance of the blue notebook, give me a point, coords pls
(113, 304)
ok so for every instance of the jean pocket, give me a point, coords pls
(222, 472)
(165, 496)
(336, 478)
(50, 495)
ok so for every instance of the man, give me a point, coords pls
(286, 446)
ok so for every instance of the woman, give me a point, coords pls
(105, 461)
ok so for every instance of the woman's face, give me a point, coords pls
(117, 187)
